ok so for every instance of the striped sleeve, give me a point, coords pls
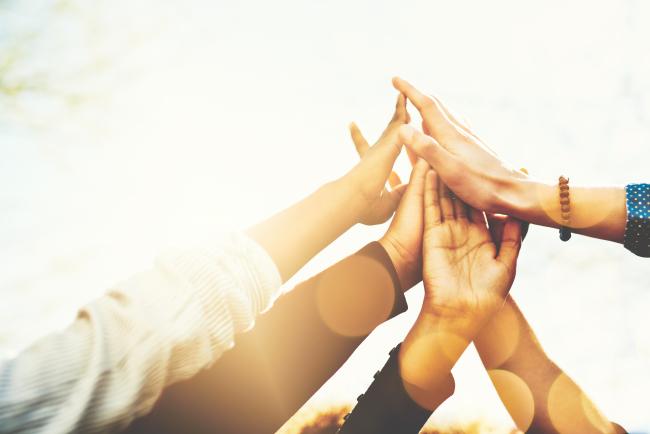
(158, 327)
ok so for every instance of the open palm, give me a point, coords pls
(464, 274)
(376, 167)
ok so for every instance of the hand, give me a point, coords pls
(403, 239)
(369, 176)
(466, 277)
(462, 160)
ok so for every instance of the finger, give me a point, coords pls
(413, 158)
(388, 202)
(414, 194)
(438, 123)
(360, 142)
(432, 215)
(416, 181)
(461, 124)
(446, 202)
(477, 218)
(452, 117)
(426, 147)
(394, 180)
(510, 243)
(401, 114)
(460, 209)
(495, 224)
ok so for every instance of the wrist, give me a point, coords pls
(405, 266)
(465, 326)
(531, 200)
(347, 191)
(430, 350)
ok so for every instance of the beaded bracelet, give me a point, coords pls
(565, 209)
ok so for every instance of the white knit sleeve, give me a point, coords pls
(154, 329)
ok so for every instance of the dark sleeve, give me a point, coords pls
(292, 351)
(637, 228)
(387, 407)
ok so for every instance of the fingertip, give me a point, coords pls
(418, 173)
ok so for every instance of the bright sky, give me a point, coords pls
(199, 117)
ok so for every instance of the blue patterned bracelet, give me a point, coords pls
(637, 228)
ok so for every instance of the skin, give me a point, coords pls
(482, 179)
(540, 397)
(403, 239)
(458, 308)
(295, 235)
(466, 279)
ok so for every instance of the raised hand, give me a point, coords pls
(403, 239)
(483, 180)
(466, 277)
(462, 160)
(375, 168)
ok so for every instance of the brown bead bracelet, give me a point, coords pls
(565, 209)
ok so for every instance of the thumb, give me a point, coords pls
(416, 182)
(426, 147)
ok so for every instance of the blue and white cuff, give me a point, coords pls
(637, 228)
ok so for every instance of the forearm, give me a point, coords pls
(293, 236)
(292, 351)
(390, 406)
(598, 212)
(539, 396)
(429, 352)
(154, 329)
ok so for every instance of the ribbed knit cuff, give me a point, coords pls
(234, 281)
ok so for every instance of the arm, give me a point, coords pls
(165, 325)
(465, 279)
(477, 175)
(156, 328)
(307, 336)
(539, 396)
(295, 235)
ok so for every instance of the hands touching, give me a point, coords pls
(466, 277)
(295, 235)
(369, 176)
(403, 239)
(463, 161)
(466, 274)
(479, 177)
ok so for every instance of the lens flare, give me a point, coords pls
(357, 299)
